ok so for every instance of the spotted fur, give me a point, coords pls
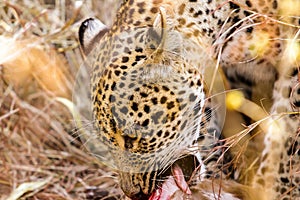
(148, 90)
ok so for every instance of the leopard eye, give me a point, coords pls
(90, 32)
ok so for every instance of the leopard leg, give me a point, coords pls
(277, 173)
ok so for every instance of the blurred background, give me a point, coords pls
(41, 156)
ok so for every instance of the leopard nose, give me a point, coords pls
(131, 192)
(128, 186)
(135, 194)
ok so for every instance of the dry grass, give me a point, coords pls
(40, 157)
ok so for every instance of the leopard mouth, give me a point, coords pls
(171, 185)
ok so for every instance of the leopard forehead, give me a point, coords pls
(138, 109)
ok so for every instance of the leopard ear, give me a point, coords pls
(163, 31)
(90, 32)
(158, 30)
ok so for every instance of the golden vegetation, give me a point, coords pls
(41, 156)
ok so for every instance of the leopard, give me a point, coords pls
(149, 97)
